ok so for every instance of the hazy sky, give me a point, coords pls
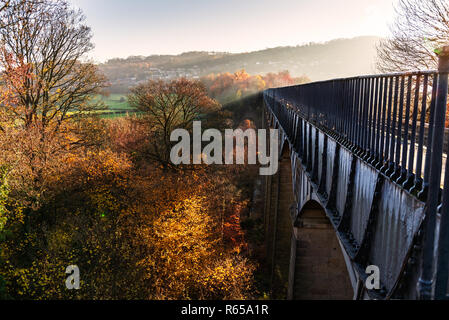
(143, 27)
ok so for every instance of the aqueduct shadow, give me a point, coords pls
(279, 225)
(318, 268)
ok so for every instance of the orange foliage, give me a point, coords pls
(81, 190)
(241, 83)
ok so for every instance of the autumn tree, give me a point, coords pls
(42, 46)
(134, 235)
(185, 255)
(168, 106)
(70, 192)
(45, 84)
(421, 26)
(4, 190)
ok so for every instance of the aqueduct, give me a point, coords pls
(362, 181)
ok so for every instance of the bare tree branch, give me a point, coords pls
(42, 47)
(421, 26)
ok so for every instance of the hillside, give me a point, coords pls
(319, 61)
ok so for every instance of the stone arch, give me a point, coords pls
(318, 269)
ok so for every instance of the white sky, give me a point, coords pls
(143, 27)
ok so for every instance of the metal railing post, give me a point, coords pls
(426, 279)
(442, 277)
(443, 243)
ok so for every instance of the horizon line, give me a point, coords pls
(235, 53)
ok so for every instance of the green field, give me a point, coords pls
(114, 102)
(116, 105)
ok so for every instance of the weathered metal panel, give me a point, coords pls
(343, 179)
(306, 135)
(320, 154)
(331, 150)
(364, 188)
(313, 132)
(295, 174)
(301, 185)
(304, 194)
(398, 221)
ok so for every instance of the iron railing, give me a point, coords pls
(395, 122)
